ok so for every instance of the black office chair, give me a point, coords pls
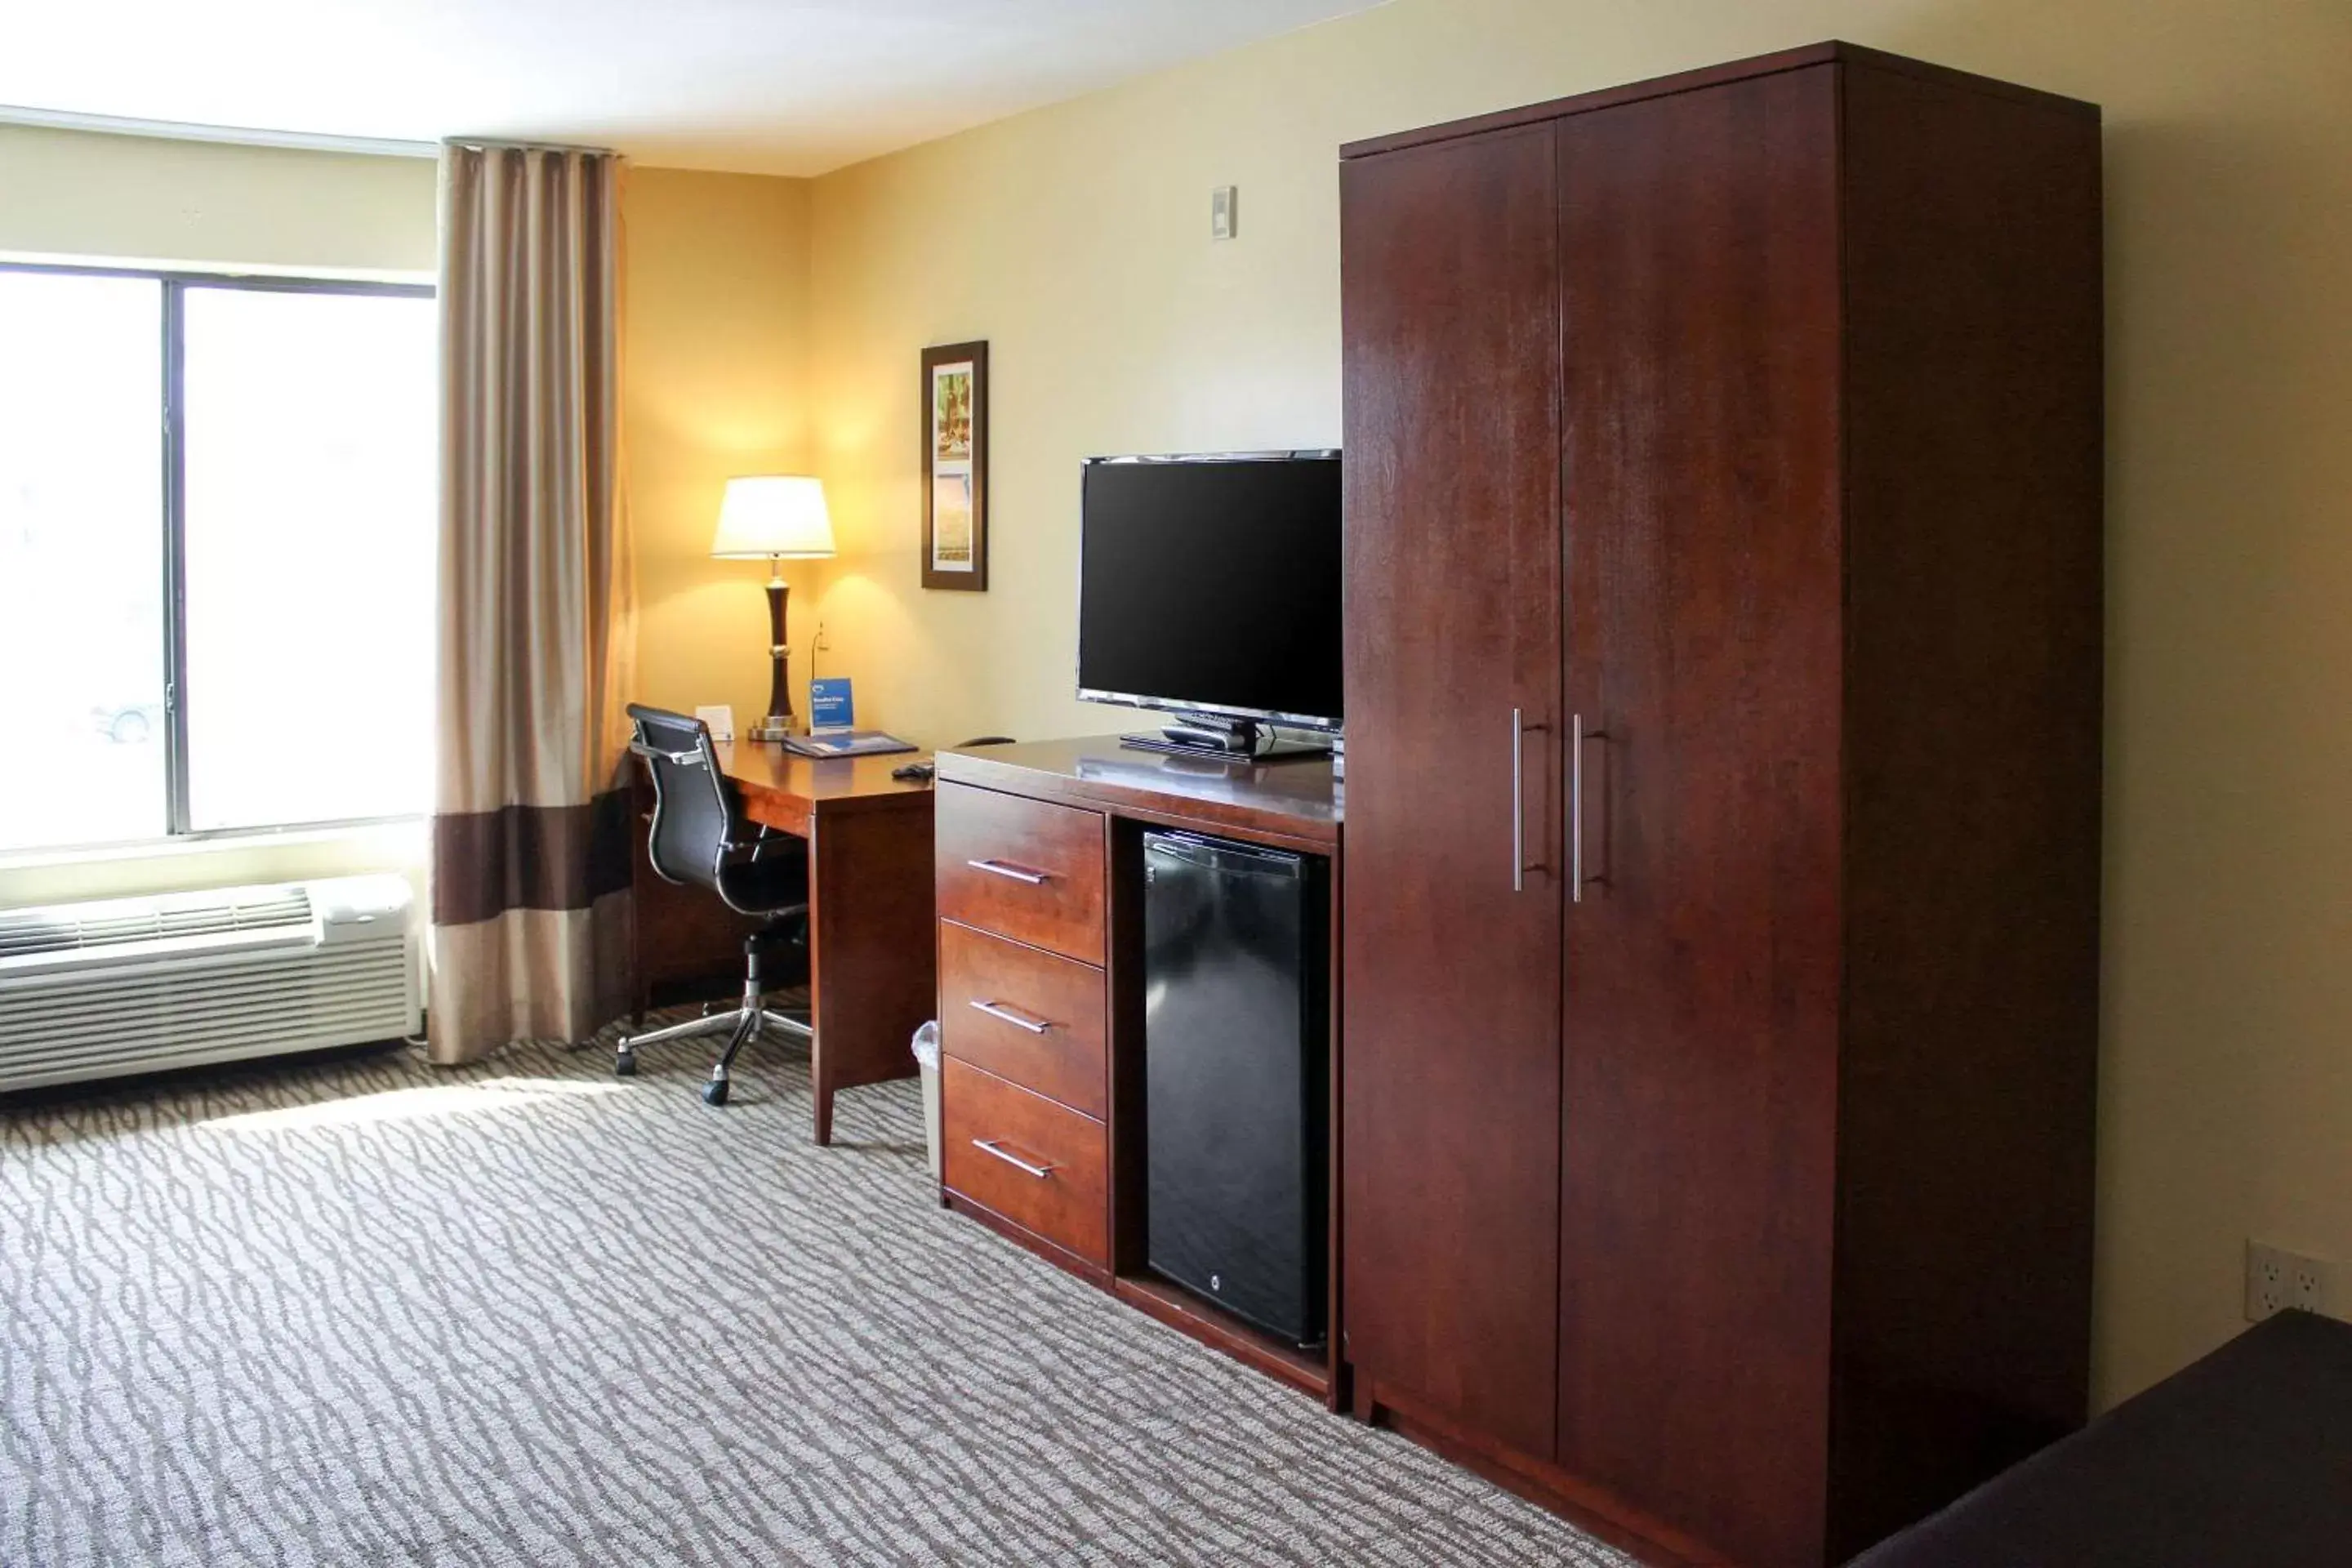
(700, 836)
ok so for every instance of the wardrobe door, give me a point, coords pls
(1699, 255)
(1451, 1080)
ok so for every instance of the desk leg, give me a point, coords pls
(873, 956)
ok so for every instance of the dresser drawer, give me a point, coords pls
(1022, 868)
(1041, 1165)
(1024, 1014)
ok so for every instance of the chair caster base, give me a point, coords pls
(715, 1092)
(625, 1064)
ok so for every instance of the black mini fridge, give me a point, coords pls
(1236, 1043)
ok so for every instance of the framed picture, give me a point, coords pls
(955, 467)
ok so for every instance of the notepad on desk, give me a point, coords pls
(848, 743)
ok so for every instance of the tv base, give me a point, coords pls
(1227, 740)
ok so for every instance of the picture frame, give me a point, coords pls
(954, 417)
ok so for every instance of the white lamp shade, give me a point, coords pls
(773, 514)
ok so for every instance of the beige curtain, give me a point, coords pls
(531, 829)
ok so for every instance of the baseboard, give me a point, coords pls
(1587, 1507)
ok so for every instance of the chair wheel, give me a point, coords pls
(625, 1064)
(715, 1092)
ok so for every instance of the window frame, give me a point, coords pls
(175, 283)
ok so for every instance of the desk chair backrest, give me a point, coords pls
(698, 816)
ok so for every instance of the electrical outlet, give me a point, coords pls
(2306, 1284)
(2265, 1281)
(2277, 1279)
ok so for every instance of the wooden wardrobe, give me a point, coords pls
(1720, 985)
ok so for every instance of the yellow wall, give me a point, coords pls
(1075, 239)
(210, 205)
(714, 383)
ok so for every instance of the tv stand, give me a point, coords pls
(1214, 735)
(1041, 908)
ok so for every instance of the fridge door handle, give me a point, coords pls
(1224, 857)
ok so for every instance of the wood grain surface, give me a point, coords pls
(1451, 1011)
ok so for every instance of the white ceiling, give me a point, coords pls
(790, 87)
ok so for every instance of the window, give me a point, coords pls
(81, 559)
(216, 548)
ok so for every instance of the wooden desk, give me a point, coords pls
(1059, 937)
(872, 962)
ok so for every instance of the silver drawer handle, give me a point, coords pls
(1006, 868)
(997, 1010)
(992, 1146)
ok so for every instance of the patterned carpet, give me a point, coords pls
(366, 1311)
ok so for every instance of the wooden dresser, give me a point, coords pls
(1039, 869)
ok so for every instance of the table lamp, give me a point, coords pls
(779, 517)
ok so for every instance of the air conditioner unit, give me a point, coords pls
(126, 985)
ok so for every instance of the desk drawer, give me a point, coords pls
(1024, 1014)
(1039, 1164)
(1022, 868)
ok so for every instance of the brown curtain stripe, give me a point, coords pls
(530, 832)
(529, 858)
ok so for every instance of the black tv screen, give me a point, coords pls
(1211, 583)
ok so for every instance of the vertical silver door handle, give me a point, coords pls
(1520, 867)
(1518, 804)
(1577, 737)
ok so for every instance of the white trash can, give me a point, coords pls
(926, 1056)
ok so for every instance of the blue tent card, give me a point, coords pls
(830, 707)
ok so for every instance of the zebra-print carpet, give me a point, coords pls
(370, 1311)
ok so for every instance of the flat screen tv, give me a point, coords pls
(1209, 586)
